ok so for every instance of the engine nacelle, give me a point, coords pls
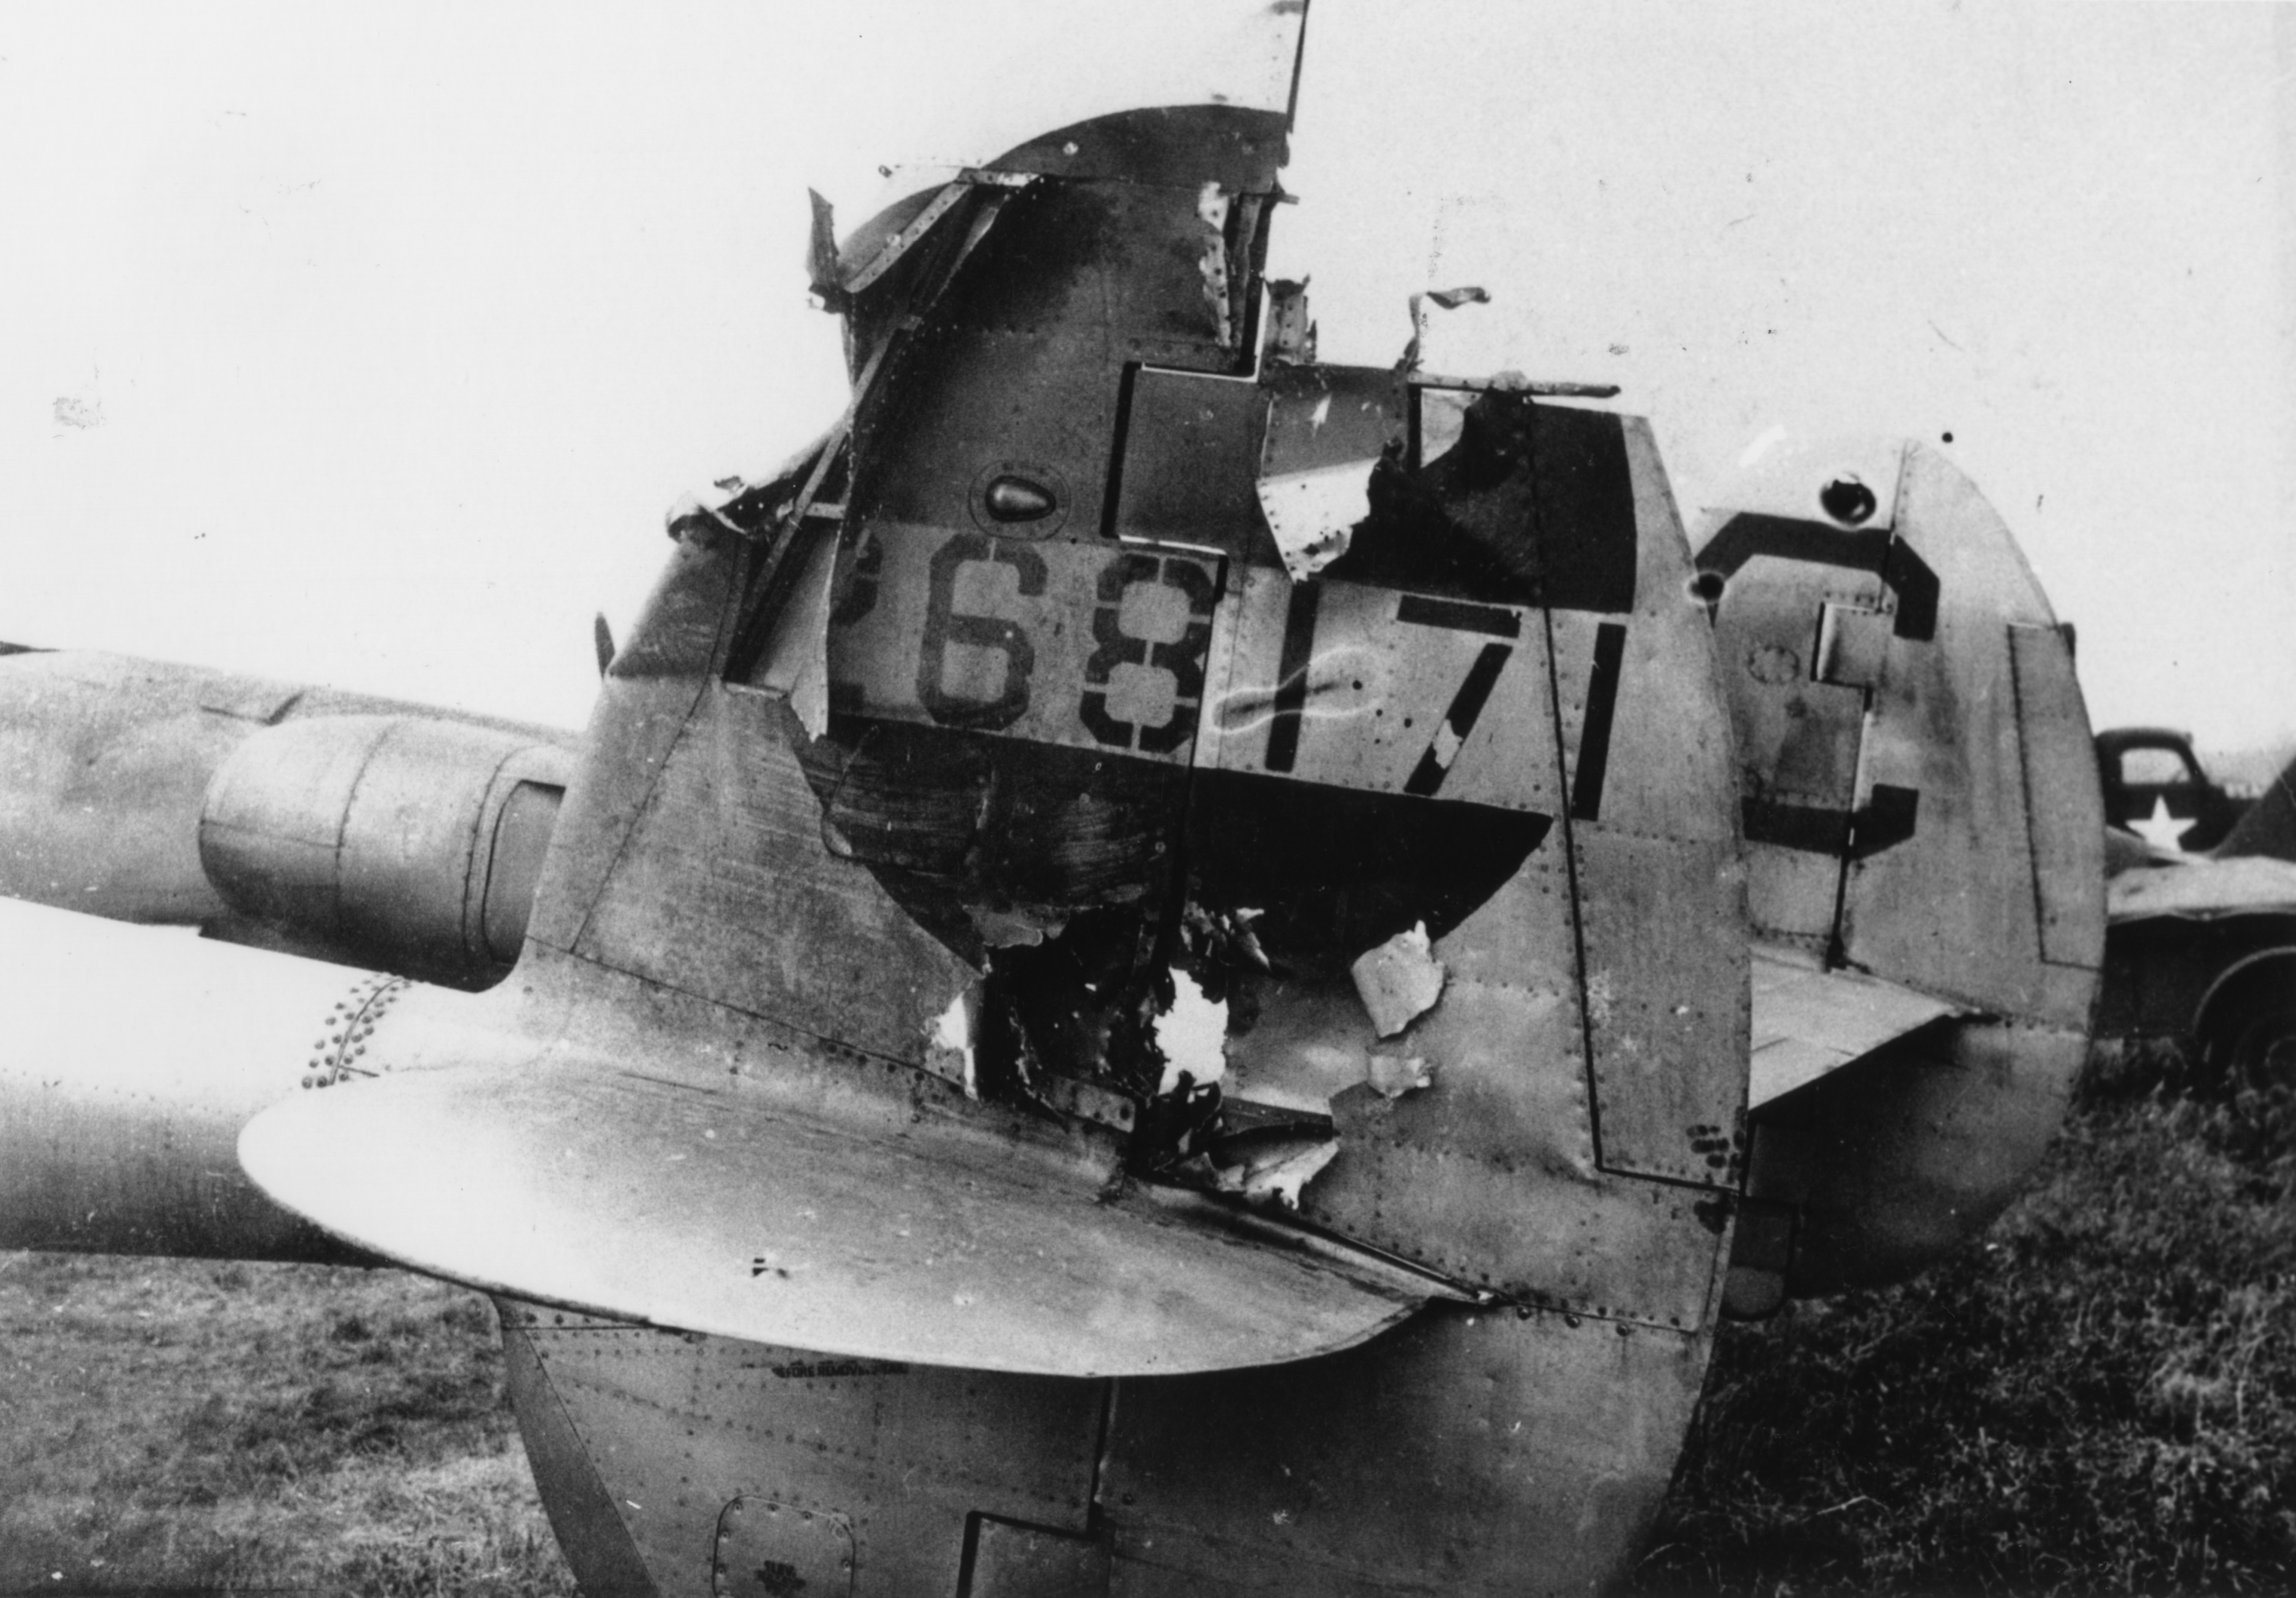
(399, 841)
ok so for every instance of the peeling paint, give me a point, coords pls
(1393, 1075)
(1399, 981)
(949, 1048)
(1312, 515)
(1211, 210)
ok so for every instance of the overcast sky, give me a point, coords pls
(370, 347)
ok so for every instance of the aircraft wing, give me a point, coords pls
(1810, 1022)
(2202, 889)
(619, 1195)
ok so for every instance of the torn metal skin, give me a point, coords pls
(1056, 868)
(1141, 982)
(939, 1034)
(1033, 771)
(1399, 981)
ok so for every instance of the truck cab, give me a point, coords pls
(2156, 788)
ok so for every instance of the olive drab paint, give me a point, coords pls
(1146, 978)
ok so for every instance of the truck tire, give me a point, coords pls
(2246, 1023)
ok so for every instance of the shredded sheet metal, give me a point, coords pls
(796, 662)
(1277, 1172)
(1115, 57)
(1399, 981)
(1809, 1022)
(2203, 890)
(613, 1193)
(1311, 514)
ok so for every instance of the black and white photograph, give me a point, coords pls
(1070, 799)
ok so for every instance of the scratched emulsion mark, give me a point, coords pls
(1347, 681)
(71, 411)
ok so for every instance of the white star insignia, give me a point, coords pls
(2161, 829)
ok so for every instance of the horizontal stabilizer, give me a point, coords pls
(708, 1211)
(2203, 890)
(1810, 1021)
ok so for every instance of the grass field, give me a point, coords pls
(178, 1423)
(2097, 1396)
(2100, 1395)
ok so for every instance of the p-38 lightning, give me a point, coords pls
(1164, 969)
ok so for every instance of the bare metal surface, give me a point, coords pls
(1399, 981)
(1326, 431)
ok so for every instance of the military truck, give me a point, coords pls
(2201, 948)
(2156, 789)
